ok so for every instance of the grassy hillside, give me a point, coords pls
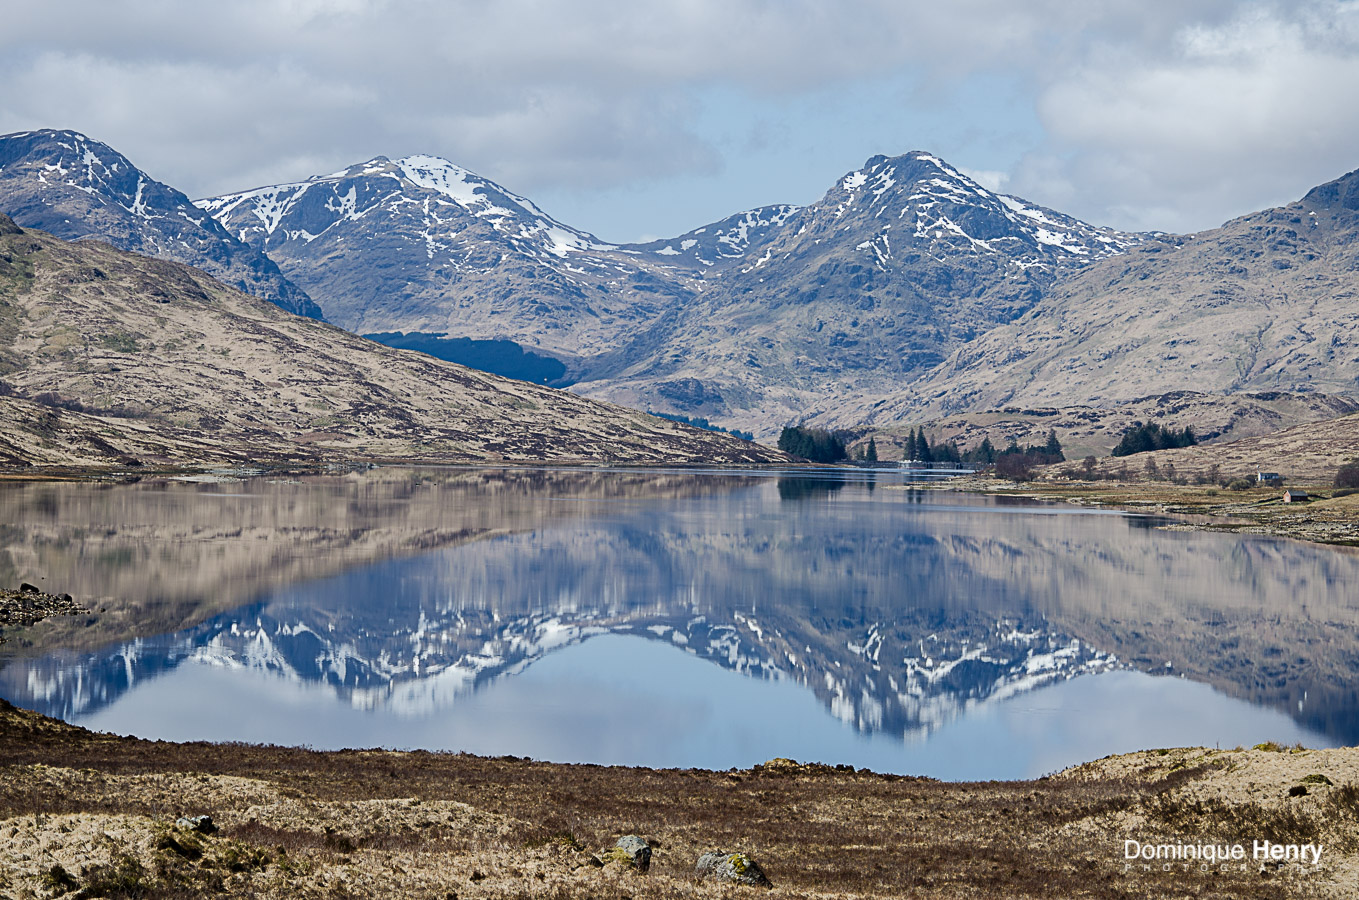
(109, 358)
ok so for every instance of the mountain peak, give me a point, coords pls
(71, 158)
(302, 211)
(919, 198)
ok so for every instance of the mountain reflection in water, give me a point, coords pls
(901, 610)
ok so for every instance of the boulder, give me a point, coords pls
(737, 867)
(630, 850)
(200, 824)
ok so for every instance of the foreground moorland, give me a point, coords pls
(87, 815)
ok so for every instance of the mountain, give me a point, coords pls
(899, 264)
(746, 321)
(908, 293)
(1264, 303)
(112, 357)
(420, 245)
(68, 185)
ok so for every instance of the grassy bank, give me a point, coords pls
(84, 814)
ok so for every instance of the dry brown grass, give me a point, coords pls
(89, 814)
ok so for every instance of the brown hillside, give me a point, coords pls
(113, 358)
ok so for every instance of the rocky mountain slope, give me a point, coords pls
(1264, 303)
(68, 185)
(899, 264)
(908, 293)
(720, 243)
(113, 357)
(419, 244)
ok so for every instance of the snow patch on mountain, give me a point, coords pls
(729, 239)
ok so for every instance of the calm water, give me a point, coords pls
(672, 619)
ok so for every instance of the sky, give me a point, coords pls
(637, 120)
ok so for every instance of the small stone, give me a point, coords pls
(630, 850)
(737, 867)
(27, 588)
(200, 824)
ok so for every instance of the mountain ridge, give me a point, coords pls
(673, 324)
(908, 292)
(898, 264)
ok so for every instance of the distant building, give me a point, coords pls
(1295, 496)
(1267, 477)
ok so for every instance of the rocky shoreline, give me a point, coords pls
(30, 605)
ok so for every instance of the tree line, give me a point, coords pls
(1139, 438)
(1009, 461)
(1013, 461)
(813, 444)
(699, 422)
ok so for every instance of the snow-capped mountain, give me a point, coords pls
(303, 211)
(901, 262)
(419, 244)
(73, 187)
(898, 264)
(943, 209)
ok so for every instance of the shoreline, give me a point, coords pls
(87, 811)
(1327, 520)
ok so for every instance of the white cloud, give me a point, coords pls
(1162, 113)
(1242, 115)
